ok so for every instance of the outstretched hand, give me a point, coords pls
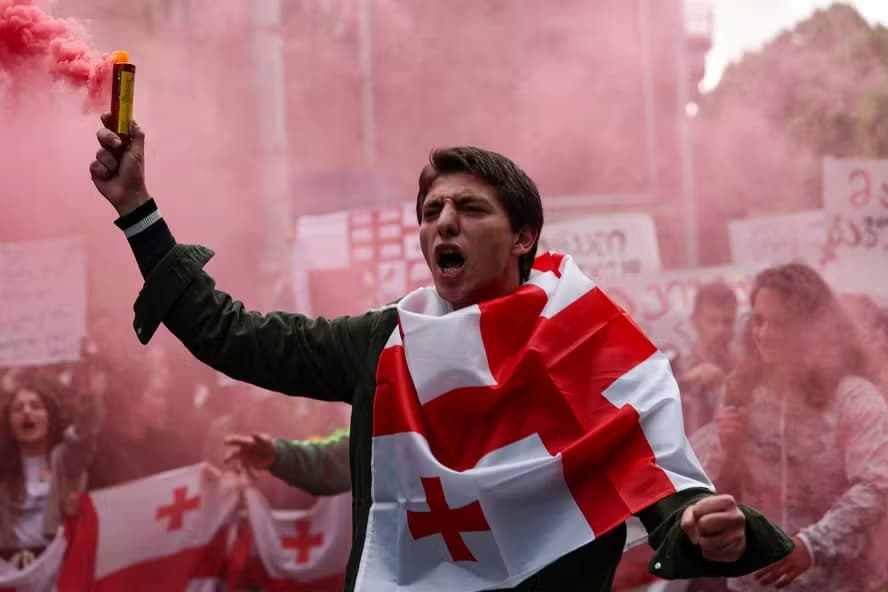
(785, 571)
(118, 171)
(717, 526)
(253, 452)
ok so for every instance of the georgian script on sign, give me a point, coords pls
(856, 201)
(777, 239)
(607, 245)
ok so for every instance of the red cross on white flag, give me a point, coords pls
(523, 428)
(304, 541)
(300, 549)
(450, 523)
(164, 532)
(175, 512)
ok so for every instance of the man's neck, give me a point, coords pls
(488, 293)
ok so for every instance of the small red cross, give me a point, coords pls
(304, 541)
(176, 511)
(449, 523)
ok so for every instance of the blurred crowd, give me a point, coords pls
(121, 414)
(784, 405)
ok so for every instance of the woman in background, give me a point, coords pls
(44, 464)
(803, 436)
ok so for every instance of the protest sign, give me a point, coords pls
(855, 197)
(42, 301)
(777, 239)
(606, 245)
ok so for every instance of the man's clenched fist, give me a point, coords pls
(118, 170)
(718, 526)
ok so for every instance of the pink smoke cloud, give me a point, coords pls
(40, 48)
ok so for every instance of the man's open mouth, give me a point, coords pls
(450, 260)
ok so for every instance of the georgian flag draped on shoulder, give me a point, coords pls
(165, 532)
(507, 434)
(293, 550)
(38, 576)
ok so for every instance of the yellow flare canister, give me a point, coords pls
(123, 83)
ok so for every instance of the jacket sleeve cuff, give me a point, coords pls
(806, 540)
(148, 235)
(165, 284)
(677, 558)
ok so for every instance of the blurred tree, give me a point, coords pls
(819, 89)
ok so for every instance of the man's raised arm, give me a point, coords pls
(284, 352)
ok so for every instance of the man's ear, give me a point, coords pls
(524, 241)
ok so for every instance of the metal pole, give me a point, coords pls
(687, 189)
(271, 119)
(647, 89)
(365, 60)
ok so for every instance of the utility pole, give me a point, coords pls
(685, 143)
(647, 90)
(365, 60)
(274, 166)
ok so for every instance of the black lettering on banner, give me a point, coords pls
(870, 235)
(616, 241)
(632, 266)
(867, 233)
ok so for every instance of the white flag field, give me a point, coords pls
(588, 431)
(297, 550)
(179, 531)
(165, 532)
(39, 576)
(194, 530)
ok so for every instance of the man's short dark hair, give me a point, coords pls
(514, 189)
(715, 294)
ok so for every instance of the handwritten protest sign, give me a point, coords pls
(359, 259)
(606, 245)
(662, 302)
(782, 238)
(855, 196)
(42, 301)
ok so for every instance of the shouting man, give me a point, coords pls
(505, 423)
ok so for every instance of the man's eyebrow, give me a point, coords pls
(468, 197)
(460, 198)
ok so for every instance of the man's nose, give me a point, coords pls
(448, 220)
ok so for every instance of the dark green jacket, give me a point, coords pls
(316, 467)
(335, 360)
